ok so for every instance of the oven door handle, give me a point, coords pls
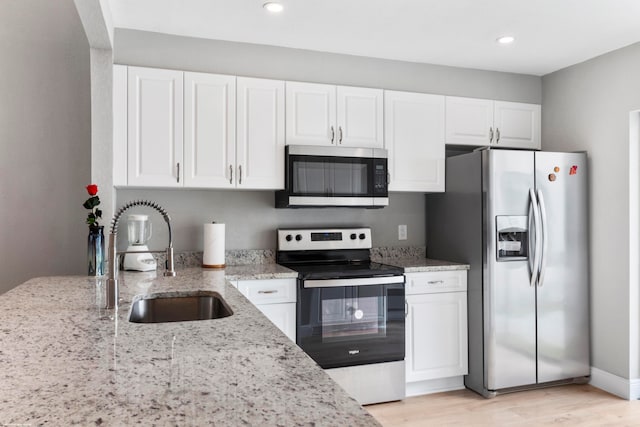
(359, 281)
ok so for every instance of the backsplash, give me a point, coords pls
(268, 256)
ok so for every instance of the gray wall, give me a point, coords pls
(44, 140)
(250, 216)
(251, 219)
(586, 107)
(142, 48)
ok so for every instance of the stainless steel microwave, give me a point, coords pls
(318, 176)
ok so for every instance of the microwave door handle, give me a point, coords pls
(536, 227)
(545, 238)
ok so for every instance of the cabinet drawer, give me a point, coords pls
(270, 291)
(434, 282)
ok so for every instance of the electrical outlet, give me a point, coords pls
(402, 232)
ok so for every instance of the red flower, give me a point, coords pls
(92, 203)
(92, 189)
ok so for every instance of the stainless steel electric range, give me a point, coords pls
(350, 310)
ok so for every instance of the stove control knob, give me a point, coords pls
(289, 237)
(362, 236)
(298, 237)
(353, 236)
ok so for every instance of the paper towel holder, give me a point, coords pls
(213, 257)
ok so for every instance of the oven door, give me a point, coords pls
(351, 325)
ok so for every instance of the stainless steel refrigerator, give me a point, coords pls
(519, 218)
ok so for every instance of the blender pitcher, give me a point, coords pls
(139, 233)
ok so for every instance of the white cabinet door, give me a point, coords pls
(360, 117)
(414, 138)
(517, 125)
(260, 133)
(210, 129)
(469, 121)
(155, 114)
(436, 336)
(311, 113)
(283, 316)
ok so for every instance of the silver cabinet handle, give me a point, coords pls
(340, 134)
(268, 292)
(388, 178)
(178, 177)
(490, 134)
(497, 136)
(435, 282)
(406, 308)
(333, 134)
(240, 174)
(230, 174)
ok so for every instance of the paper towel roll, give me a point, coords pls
(213, 256)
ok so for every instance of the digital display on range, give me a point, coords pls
(325, 237)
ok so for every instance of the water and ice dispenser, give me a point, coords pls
(512, 238)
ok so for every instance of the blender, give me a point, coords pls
(139, 233)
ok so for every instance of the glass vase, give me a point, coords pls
(95, 251)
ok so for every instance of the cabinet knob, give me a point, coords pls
(230, 174)
(340, 134)
(240, 174)
(333, 134)
(178, 173)
(497, 136)
(490, 134)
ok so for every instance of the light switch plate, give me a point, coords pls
(402, 232)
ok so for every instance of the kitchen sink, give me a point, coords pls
(161, 308)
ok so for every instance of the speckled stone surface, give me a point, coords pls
(399, 252)
(231, 257)
(416, 265)
(258, 271)
(64, 361)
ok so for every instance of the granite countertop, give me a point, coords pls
(65, 361)
(419, 264)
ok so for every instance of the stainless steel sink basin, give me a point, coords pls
(161, 308)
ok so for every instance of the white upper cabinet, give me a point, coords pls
(319, 114)
(197, 130)
(155, 114)
(517, 125)
(360, 117)
(469, 121)
(481, 122)
(260, 133)
(311, 113)
(414, 138)
(210, 129)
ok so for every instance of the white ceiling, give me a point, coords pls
(550, 34)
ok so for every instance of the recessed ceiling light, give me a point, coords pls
(273, 7)
(505, 39)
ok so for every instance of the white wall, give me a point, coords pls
(44, 140)
(586, 107)
(250, 216)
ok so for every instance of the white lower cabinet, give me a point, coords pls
(436, 331)
(276, 299)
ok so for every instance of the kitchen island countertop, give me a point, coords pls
(64, 360)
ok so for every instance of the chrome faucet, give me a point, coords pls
(112, 281)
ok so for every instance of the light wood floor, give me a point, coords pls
(568, 405)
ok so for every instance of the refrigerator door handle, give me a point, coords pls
(545, 238)
(536, 250)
